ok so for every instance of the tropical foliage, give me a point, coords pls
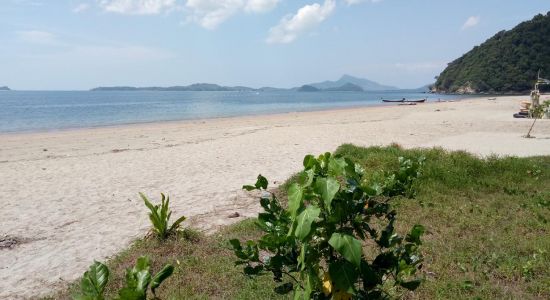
(160, 216)
(507, 62)
(336, 237)
(138, 281)
(93, 282)
(537, 113)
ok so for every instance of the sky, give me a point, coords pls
(81, 44)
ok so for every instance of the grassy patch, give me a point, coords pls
(487, 221)
(204, 267)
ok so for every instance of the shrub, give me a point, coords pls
(160, 217)
(138, 281)
(336, 238)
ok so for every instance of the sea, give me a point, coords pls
(32, 111)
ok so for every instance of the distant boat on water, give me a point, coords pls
(404, 100)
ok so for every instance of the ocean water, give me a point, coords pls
(23, 111)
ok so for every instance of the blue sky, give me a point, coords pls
(80, 44)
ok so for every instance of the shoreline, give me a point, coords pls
(312, 108)
(208, 119)
(71, 196)
(183, 121)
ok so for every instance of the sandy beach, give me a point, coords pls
(72, 196)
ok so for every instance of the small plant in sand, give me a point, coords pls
(537, 113)
(93, 282)
(160, 216)
(336, 239)
(138, 281)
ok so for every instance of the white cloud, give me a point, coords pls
(137, 7)
(207, 13)
(260, 5)
(36, 36)
(471, 22)
(305, 19)
(81, 7)
(211, 13)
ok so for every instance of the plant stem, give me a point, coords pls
(294, 278)
(530, 129)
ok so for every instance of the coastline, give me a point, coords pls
(72, 194)
(209, 119)
(49, 123)
(192, 120)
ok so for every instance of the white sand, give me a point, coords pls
(78, 200)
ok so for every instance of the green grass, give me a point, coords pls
(487, 221)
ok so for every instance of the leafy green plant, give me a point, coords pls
(537, 113)
(138, 281)
(336, 238)
(160, 216)
(93, 282)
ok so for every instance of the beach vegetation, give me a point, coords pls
(538, 112)
(336, 236)
(486, 233)
(93, 282)
(138, 281)
(160, 216)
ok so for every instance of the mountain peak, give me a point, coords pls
(347, 77)
(365, 84)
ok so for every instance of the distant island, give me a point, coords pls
(506, 63)
(347, 87)
(4, 88)
(346, 83)
(346, 80)
(197, 87)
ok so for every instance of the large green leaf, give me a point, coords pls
(348, 246)
(261, 182)
(369, 276)
(337, 166)
(327, 188)
(143, 279)
(305, 219)
(161, 276)
(416, 232)
(131, 294)
(94, 281)
(295, 196)
(302, 257)
(411, 285)
(142, 264)
(306, 177)
(343, 275)
(309, 161)
(177, 223)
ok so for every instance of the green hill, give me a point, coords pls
(506, 63)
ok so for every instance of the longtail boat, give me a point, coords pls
(416, 101)
(405, 100)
